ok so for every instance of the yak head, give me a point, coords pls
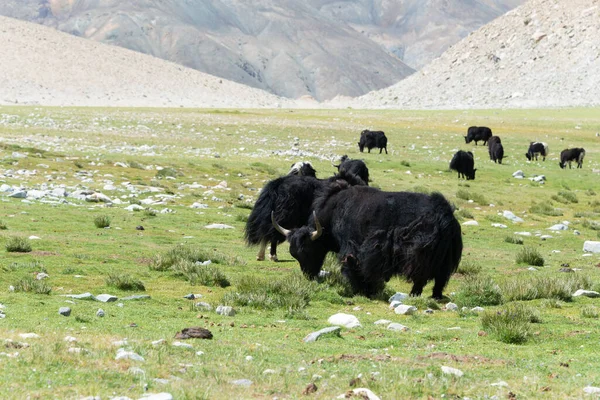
(466, 139)
(528, 155)
(562, 165)
(471, 176)
(305, 246)
(303, 168)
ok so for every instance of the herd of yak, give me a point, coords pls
(375, 234)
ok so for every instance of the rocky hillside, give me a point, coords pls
(318, 48)
(40, 65)
(545, 53)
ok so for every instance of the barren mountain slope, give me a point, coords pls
(284, 46)
(417, 31)
(43, 66)
(545, 53)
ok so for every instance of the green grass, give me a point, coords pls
(18, 244)
(102, 221)
(125, 282)
(276, 306)
(530, 256)
(513, 239)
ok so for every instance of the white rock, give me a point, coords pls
(451, 307)
(382, 322)
(134, 207)
(586, 293)
(591, 246)
(509, 215)
(471, 223)
(398, 296)
(181, 344)
(477, 309)
(218, 226)
(397, 327)
(123, 354)
(544, 237)
(157, 396)
(249, 358)
(363, 393)
(136, 371)
(404, 309)
(523, 233)
(452, 371)
(395, 304)
(532, 269)
(591, 389)
(496, 225)
(29, 335)
(558, 227)
(199, 206)
(500, 383)
(518, 174)
(346, 320)
(269, 372)
(158, 342)
(106, 298)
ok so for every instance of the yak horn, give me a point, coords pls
(316, 234)
(281, 230)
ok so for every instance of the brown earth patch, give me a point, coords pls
(43, 253)
(462, 359)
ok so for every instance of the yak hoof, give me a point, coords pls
(273, 257)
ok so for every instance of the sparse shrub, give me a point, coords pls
(478, 292)
(561, 288)
(244, 205)
(566, 196)
(78, 164)
(464, 214)
(163, 262)
(585, 214)
(510, 325)
(476, 197)
(514, 239)
(136, 201)
(462, 194)
(469, 268)
(136, 165)
(3, 226)
(150, 212)
(166, 172)
(124, 282)
(102, 221)
(30, 284)
(589, 311)
(18, 244)
(590, 192)
(422, 303)
(34, 265)
(593, 225)
(241, 218)
(291, 293)
(197, 273)
(551, 303)
(405, 163)
(545, 208)
(530, 256)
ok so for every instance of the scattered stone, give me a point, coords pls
(29, 335)
(41, 275)
(106, 298)
(195, 332)
(397, 327)
(509, 215)
(242, 382)
(134, 207)
(544, 237)
(452, 371)
(586, 293)
(428, 311)
(398, 296)
(451, 307)
(324, 274)
(218, 226)
(518, 174)
(382, 322)
(158, 342)
(591, 246)
(161, 381)
(532, 269)
(75, 350)
(100, 313)
(204, 306)
(199, 206)
(566, 269)
(361, 393)
(192, 296)
(523, 233)
(19, 194)
(249, 358)
(477, 309)
(500, 383)
(139, 228)
(591, 390)
(181, 344)
(123, 354)
(496, 225)
(157, 396)
(558, 227)
(228, 311)
(70, 339)
(269, 372)
(325, 332)
(576, 232)
(66, 311)
(83, 296)
(346, 320)
(395, 304)
(404, 309)
(471, 223)
(137, 297)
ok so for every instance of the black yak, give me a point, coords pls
(371, 139)
(353, 167)
(303, 168)
(490, 143)
(477, 133)
(463, 163)
(570, 155)
(497, 152)
(535, 149)
(290, 198)
(377, 235)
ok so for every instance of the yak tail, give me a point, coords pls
(256, 228)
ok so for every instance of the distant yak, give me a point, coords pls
(357, 168)
(535, 149)
(463, 163)
(372, 139)
(477, 133)
(569, 155)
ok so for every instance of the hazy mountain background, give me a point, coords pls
(316, 48)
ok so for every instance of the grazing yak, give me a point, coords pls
(477, 133)
(290, 198)
(303, 168)
(371, 139)
(356, 168)
(377, 235)
(570, 155)
(535, 149)
(462, 162)
(497, 152)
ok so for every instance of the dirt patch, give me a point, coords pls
(43, 253)
(462, 359)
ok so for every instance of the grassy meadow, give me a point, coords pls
(534, 340)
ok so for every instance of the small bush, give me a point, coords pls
(405, 163)
(102, 221)
(291, 293)
(552, 303)
(3, 226)
(198, 274)
(422, 303)
(136, 165)
(478, 292)
(163, 262)
(135, 200)
(462, 194)
(464, 214)
(166, 172)
(514, 239)
(244, 205)
(469, 268)
(17, 244)
(561, 288)
(545, 209)
(585, 214)
(124, 282)
(494, 218)
(590, 192)
(593, 225)
(530, 256)
(589, 311)
(30, 284)
(565, 196)
(150, 212)
(34, 265)
(510, 325)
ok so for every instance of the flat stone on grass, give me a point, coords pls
(346, 320)
(325, 332)
(452, 371)
(106, 298)
(586, 293)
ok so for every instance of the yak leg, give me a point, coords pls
(385, 150)
(273, 253)
(261, 251)
(417, 288)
